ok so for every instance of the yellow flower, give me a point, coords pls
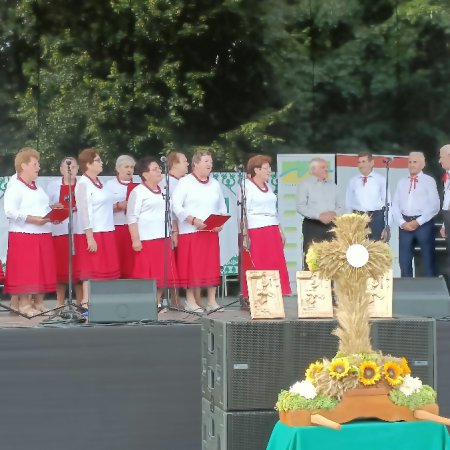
(312, 259)
(339, 368)
(392, 372)
(369, 373)
(312, 371)
(405, 367)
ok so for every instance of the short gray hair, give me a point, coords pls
(198, 156)
(315, 162)
(123, 160)
(419, 155)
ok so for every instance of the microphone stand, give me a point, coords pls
(242, 202)
(167, 236)
(70, 312)
(387, 229)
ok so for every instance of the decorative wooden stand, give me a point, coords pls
(361, 403)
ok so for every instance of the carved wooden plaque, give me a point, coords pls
(314, 296)
(264, 293)
(380, 292)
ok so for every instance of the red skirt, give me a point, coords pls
(30, 266)
(2, 275)
(124, 250)
(198, 259)
(266, 249)
(61, 247)
(101, 265)
(149, 263)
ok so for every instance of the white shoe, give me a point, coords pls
(215, 308)
(190, 308)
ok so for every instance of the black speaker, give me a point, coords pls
(122, 300)
(422, 297)
(236, 430)
(245, 364)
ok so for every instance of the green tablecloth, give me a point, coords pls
(364, 435)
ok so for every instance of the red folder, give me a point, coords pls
(130, 187)
(64, 196)
(214, 221)
(58, 215)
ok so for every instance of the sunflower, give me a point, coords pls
(369, 373)
(312, 259)
(312, 371)
(405, 367)
(392, 372)
(339, 368)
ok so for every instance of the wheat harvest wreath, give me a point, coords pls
(359, 382)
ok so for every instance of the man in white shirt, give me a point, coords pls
(317, 202)
(366, 193)
(416, 202)
(444, 160)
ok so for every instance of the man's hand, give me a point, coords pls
(386, 234)
(442, 232)
(327, 217)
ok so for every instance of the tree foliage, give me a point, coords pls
(240, 76)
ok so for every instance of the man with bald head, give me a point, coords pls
(317, 202)
(416, 202)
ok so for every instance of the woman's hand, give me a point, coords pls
(217, 229)
(92, 245)
(198, 223)
(36, 220)
(57, 206)
(174, 239)
(121, 206)
(137, 245)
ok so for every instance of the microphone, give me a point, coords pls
(163, 159)
(387, 160)
(239, 168)
(68, 161)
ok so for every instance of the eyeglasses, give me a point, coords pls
(266, 168)
(97, 160)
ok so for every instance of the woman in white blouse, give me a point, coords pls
(154, 255)
(264, 230)
(119, 188)
(198, 255)
(97, 257)
(60, 231)
(30, 264)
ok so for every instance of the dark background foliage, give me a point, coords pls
(239, 76)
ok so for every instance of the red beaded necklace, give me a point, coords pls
(31, 185)
(97, 183)
(201, 181)
(156, 191)
(262, 189)
(123, 183)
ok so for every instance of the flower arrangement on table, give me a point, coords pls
(357, 376)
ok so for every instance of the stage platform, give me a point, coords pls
(114, 387)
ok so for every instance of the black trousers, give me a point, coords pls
(314, 230)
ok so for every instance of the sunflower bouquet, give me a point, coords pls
(350, 260)
(326, 381)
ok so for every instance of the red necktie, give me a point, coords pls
(445, 177)
(412, 182)
(364, 180)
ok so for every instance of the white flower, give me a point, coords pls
(304, 388)
(410, 385)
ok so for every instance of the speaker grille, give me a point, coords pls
(412, 338)
(250, 362)
(236, 430)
